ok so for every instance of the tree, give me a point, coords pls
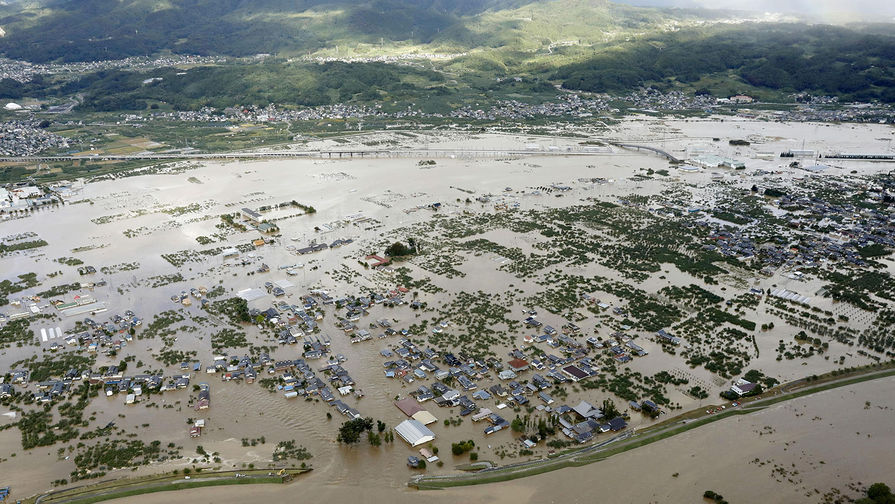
(730, 395)
(350, 431)
(462, 447)
(347, 434)
(398, 249)
(714, 496)
(878, 493)
(609, 409)
(544, 429)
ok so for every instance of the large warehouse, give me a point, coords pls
(414, 432)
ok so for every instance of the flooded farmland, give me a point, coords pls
(506, 248)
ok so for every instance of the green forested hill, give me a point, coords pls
(788, 57)
(83, 30)
(587, 45)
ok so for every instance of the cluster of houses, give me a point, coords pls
(620, 345)
(104, 337)
(844, 229)
(27, 138)
(565, 105)
(296, 378)
(185, 298)
(112, 380)
(24, 71)
(852, 226)
(584, 421)
(808, 251)
(296, 321)
(445, 379)
(868, 112)
(730, 243)
(653, 99)
(416, 364)
(448, 380)
(443, 372)
(234, 368)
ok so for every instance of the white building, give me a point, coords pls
(26, 192)
(414, 432)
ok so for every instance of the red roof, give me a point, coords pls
(518, 364)
(408, 406)
(380, 260)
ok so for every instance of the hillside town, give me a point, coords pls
(24, 71)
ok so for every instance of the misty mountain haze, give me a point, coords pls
(827, 11)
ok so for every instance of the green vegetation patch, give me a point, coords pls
(7, 287)
(6, 249)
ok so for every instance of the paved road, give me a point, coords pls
(130, 488)
(655, 150)
(438, 153)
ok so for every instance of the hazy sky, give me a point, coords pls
(833, 11)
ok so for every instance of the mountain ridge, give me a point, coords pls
(85, 30)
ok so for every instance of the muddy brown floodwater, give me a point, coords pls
(821, 441)
(796, 452)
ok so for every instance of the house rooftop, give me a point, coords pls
(518, 364)
(409, 406)
(248, 212)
